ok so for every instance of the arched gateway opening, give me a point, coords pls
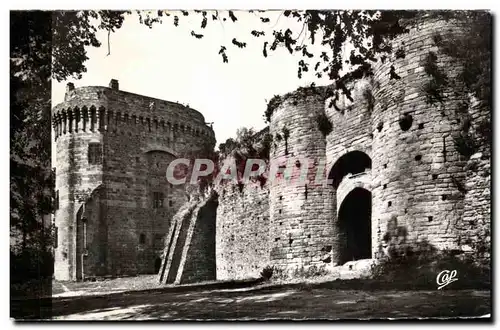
(354, 222)
(349, 177)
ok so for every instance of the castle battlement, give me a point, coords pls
(107, 109)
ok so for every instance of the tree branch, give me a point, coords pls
(303, 26)
(109, 47)
(277, 20)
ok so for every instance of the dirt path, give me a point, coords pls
(272, 303)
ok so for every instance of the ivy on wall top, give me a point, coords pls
(300, 94)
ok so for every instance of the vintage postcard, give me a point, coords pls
(213, 165)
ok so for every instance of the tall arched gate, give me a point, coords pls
(350, 178)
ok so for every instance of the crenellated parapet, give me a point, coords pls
(101, 109)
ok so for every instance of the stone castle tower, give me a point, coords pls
(114, 204)
(395, 176)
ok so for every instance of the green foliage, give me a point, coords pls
(324, 124)
(369, 98)
(248, 144)
(75, 30)
(265, 146)
(309, 272)
(299, 94)
(418, 270)
(32, 263)
(368, 31)
(31, 175)
(227, 147)
(286, 133)
(275, 101)
(465, 144)
(267, 273)
(434, 88)
(484, 131)
(473, 49)
(400, 53)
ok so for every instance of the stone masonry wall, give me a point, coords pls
(75, 179)
(351, 132)
(423, 190)
(242, 231)
(199, 262)
(475, 228)
(139, 136)
(351, 122)
(92, 236)
(416, 172)
(300, 213)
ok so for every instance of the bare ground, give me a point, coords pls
(113, 300)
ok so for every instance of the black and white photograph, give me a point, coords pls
(224, 164)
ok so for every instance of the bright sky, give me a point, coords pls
(168, 63)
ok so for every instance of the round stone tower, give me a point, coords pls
(418, 175)
(75, 129)
(114, 202)
(300, 221)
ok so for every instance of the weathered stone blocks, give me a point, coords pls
(120, 230)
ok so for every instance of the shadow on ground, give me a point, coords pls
(248, 301)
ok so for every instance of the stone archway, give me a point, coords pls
(353, 163)
(354, 223)
(350, 179)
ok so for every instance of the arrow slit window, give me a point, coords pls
(158, 200)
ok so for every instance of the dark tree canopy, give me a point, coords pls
(368, 32)
(31, 176)
(323, 38)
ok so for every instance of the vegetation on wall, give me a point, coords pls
(368, 32)
(473, 51)
(324, 124)
(275, 101)
(266, 273)
(466, 144)
(369, 98)
(420, 262)
(434, 88)
(294, 97)
(468, 140)
(247, 145)
(420, 266)
(400, 53)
